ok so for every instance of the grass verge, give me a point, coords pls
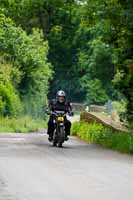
(98, 134)
(21, 125)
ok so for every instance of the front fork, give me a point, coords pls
(58, 126)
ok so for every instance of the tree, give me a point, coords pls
(95, 92)
(28, 55)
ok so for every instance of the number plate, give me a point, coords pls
(61, 119)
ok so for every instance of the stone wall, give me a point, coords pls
(90, 117)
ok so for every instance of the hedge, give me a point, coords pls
(98, 134)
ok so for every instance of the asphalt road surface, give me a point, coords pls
(31, 169)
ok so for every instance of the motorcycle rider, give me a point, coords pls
(59, 104)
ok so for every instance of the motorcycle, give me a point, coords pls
(59, 131)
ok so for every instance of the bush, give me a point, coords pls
(120, 107)
(97, 133)
(10, 104)
(21, 125)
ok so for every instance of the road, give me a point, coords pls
(31, 169)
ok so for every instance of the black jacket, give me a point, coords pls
(55, 105)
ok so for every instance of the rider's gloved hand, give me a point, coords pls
(48, 112)
(71, 113)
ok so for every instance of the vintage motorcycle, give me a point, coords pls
(59, 131)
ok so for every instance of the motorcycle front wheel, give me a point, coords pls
(61, 137)
(55, 139)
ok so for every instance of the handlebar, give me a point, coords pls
(56, 113)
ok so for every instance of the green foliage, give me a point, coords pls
(30, 68)
(88, 40)
(97, 133)
(21, 125)
(95, 92)
(105, 38)
(10, 103)
(120, 107)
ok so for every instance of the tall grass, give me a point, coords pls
(22, 124)
(97, 133)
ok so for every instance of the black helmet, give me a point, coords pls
(60, 96)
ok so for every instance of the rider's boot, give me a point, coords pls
(66, 137)
(50, 138)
